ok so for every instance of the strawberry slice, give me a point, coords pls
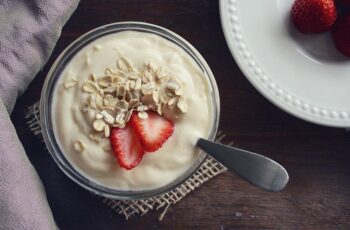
(126, 147)
(152, 131)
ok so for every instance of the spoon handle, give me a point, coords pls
(256, 169)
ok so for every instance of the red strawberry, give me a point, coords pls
(153, 131)
(126, 147)
(341, 35)
(313, 16)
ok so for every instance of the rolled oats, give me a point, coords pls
(133, 103)
(97, 47)
(159, 109)
(173, 85)
(105, 81)
(107, 131)
(69, 83)
(118, 125)
(147, 77)
(151, 67)
(155, 97)
(172, 101)
(99, 125)
(138, 84)
(182, 105)
(116, 95)
(142, 108)
(135, 94)
(110, 101)
(107, 117)
(142, 115)
(99, 101)
(179, 91)
(92, 101)
(123, 105)
(99, 116)
(133, 76)
(109, 71)
(109, 90)
(119, 119)
(170, 94)
(93, 78)
(161, 74)
(124, 65)
(163, 98)
(79, 146)
(128, 96)
(148, 88)
(128, 115)
(101, 92)
(132, 84)
(95, 136)
(90, 87)
(121, 91)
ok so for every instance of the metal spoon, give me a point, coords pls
(256, 169)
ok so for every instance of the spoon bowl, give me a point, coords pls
(254, 168)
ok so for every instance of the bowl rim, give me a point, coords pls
(59, 66)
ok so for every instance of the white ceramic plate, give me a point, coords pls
(302, 74)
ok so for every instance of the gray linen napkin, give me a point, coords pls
(29, 30)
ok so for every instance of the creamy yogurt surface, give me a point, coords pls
(97, 162)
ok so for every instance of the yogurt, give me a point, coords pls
(97, 161)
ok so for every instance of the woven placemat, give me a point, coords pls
(209, 169)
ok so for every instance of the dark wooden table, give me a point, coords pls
(317, 158)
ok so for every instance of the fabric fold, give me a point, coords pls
(29, 30)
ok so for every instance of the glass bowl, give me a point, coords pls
(47, 95)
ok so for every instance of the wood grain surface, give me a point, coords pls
(317, 158)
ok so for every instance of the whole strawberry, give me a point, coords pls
(341, 35)
(313, 16)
